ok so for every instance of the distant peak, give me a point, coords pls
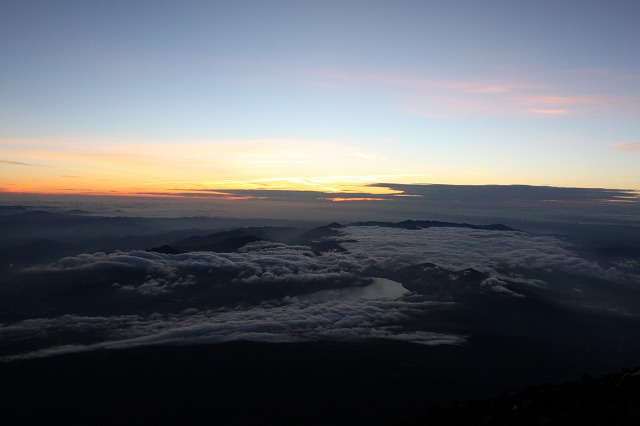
(420, 224)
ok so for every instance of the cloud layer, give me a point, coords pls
(274, 292)
(314, 317)
(490, 252)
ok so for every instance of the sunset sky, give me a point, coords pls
(139, 97)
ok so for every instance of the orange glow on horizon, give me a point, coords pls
(173, 168)
(229, 191)
(343, 199)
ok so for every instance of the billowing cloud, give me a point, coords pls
(377, 314)
(274, 292)
(490, 252)
(494, 253)
(256, 262)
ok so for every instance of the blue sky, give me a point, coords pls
(160, 96)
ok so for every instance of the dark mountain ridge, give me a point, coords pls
(320, 239)
(420, 224)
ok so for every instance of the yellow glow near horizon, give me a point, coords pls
(166, 168)
(218, 168)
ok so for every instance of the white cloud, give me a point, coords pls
(256, 263)
(316, 309)
(289, 322)
(490, 252)
(156, 286)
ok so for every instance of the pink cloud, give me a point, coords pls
(629, 146)
(608, 73)
(491, 89)
(446, 98)
(560, 100)
(582, 102)
(413, 82)
(550, 111)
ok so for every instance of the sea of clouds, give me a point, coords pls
(302, 295)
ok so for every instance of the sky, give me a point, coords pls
(161, 97)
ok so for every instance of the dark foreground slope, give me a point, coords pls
(613, 399)
(288, 383)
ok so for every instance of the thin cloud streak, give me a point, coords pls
(451, 98)
(629, 146)
(20, 163)
(413, 82)
(550, 111)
